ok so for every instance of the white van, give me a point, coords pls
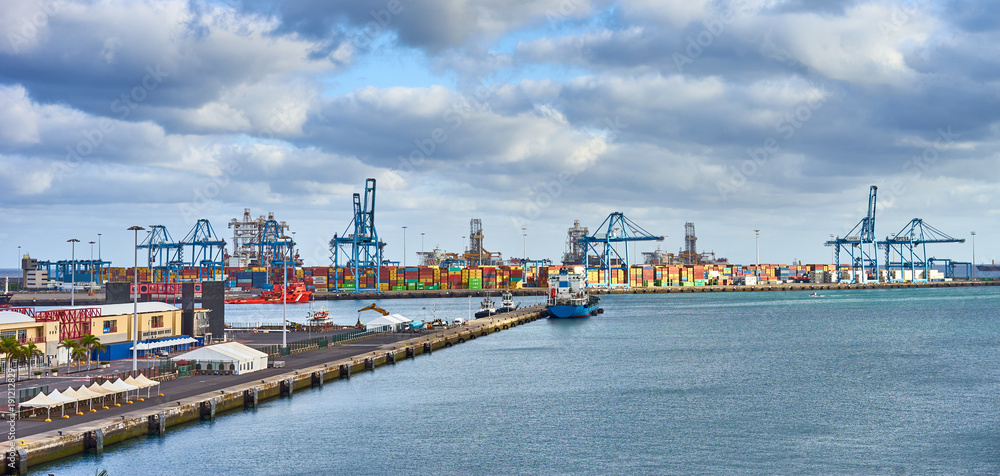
(458, 321)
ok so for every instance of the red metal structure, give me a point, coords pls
(73, 323)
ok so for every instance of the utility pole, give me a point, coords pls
(72, 271)
(757, 246)
(135, 301)
(973, 255)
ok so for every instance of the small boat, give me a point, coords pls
(318, 318)
(487, 308)
(506, 302)
(815, 295)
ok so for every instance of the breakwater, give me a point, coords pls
(95, 435)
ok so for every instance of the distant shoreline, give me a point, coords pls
(27, 299)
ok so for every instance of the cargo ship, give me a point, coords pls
(568, 296)
(297, 293)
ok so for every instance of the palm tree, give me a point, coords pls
(78, 353)
(92, 343)
(30, 351)
(69, 345)
(10, 347)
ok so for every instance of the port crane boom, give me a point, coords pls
(860, 244)
(615, 229)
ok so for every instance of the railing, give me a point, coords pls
(36, 340)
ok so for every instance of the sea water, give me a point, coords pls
(901, 381)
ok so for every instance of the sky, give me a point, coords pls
(775, 115)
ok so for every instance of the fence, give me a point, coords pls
(275, 351)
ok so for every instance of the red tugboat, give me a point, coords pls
(297, 293)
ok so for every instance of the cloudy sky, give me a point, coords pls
(735, 115)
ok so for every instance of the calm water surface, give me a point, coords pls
(856, 382)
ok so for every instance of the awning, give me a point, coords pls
(164, 343)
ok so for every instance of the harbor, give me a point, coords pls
(192, 398)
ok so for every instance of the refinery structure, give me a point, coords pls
(262, 252)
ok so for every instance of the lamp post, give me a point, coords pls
(973, 255)
(421, 242)
(91, 263)
(404, 246)
(524, 244)
(757, 247)
(72, 264)
(99, 257)
(135, 301)
(284, 295)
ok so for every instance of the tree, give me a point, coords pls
(92, 343)
(11, 350)
(78, 353)
(69, 345)
(30, 352)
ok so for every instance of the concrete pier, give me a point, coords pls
(95, 435)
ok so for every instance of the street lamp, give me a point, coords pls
(91, 263)
(973, 255)
(421, 242)
(524, 244)
(72, 264)
(135, 301)
(404, 246)
(284, 294)
(757, 246)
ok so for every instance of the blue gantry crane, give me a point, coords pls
(164, 254)
(860, 245)
(274, 247)
(615, 229)
(207, 249)
(359, 244)
(909, 246)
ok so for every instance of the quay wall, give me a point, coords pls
(77, 439)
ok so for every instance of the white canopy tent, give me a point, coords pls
(240, 358)
(136, 383)
(59, 397)
(70, 393)
(128, 388)
(89, 394)
(107, 385)
(41, 400)
(148, 382)
(393, 321)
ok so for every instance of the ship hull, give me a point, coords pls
(565, 311)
